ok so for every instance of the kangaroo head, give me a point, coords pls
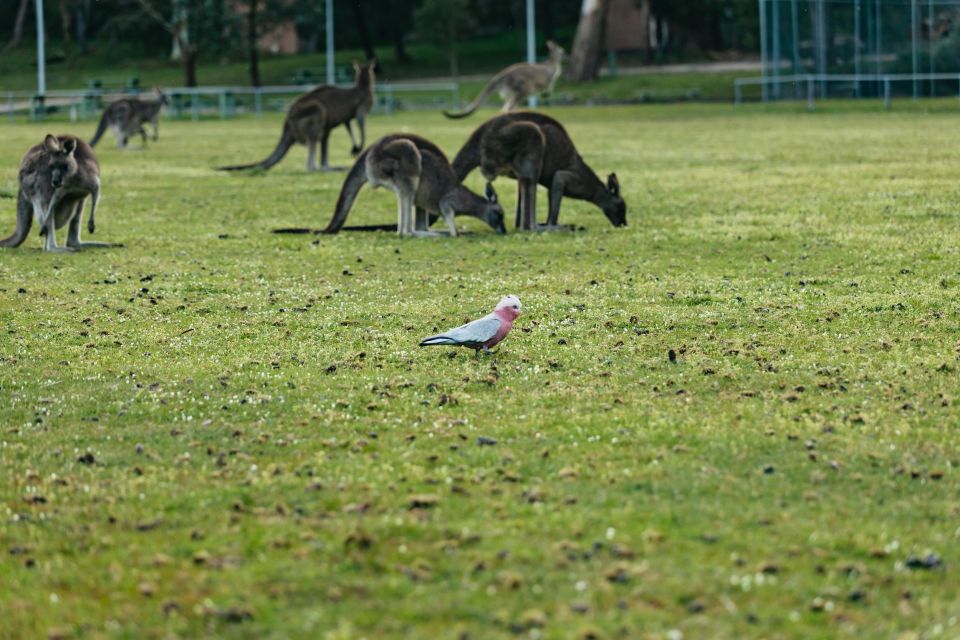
(61, 163)
(492, 212)
(363, 73)
(161, 96)
(556, 51)
(614, 207)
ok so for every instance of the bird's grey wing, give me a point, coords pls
(476, 332)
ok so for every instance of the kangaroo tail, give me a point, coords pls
(348, 193)
(286, 141)
(24, 222)
(473, 106)
(101, 128)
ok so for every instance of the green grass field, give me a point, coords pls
(219, 432)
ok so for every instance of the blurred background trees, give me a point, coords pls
(234, 30)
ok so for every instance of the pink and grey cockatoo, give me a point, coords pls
(483, 333)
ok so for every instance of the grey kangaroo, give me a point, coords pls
(314, 115)
(420, 174)
(126, 118)
(55, 178)
(518, 82)
(535, 149)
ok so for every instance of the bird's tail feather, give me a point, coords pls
(437, 340)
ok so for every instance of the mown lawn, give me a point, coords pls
(219, 432)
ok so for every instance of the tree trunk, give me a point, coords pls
(83, 12)
(400, 48)
(64, 6)
(254, 51)
(398, 30)
(645, 36)
(18, 26)
(585, 58)
(548, 22)
(360, 17)
(188, 55)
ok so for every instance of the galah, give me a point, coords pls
(483, 333)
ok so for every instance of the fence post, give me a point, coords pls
(194, 107)
(886, 92)
(456, 95)
(222, 103)
(737, 93)
(10, 105)
(810, 93)
(258, 101)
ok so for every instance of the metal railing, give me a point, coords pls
(810, 82)
(225, 102)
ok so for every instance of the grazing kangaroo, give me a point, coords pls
(55, 178)
(535, 149)
(518, 82)
(420, 174)
(127, 116)
(315, 114)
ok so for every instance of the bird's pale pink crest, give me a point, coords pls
(508, 308)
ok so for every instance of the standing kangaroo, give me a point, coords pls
(315, 114)
(518, 82)
(420, 174)
(535, 149)
(55, 178)
(127, 116)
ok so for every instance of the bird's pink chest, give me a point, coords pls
(506, 323)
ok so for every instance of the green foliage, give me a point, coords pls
(443, 22)
(220, 432)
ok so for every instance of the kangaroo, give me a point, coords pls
(315, 114)
(127, 116)
(420, 174)
(55, 178)
(518, 82)
(535, 149)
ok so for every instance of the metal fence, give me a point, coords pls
(223, 102)
(813, 86)
(882, 38)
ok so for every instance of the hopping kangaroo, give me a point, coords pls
(535, 149)
(55, 178)
(518, 82)
(127, 116)
(314, 115)
(420, 174)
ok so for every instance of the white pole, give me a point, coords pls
(41, 54)
(331, 76)
(531, 44)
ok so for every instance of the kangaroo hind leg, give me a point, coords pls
(73, 231)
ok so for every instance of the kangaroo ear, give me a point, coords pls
(613, 185)
(69, 146)
(51, 143)
(356, 65)
(491, 194)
